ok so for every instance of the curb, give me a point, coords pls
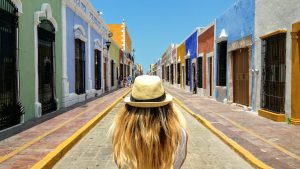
(53, 157)
(249, 157)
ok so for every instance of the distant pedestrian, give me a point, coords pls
(148, 132)
(129, 80)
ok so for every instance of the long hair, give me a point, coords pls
(146, 138)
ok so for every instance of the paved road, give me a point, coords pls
(205, 150)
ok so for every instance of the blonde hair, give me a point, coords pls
(146, 138)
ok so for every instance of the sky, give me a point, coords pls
(154, 24)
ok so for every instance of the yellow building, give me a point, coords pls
(181, 59)
(122, 38)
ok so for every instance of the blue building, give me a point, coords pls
(85, 59)
(234, 48)
(190, 60)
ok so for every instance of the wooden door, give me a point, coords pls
(241, 76)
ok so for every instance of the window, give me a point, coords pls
(187, 71)
(112, 73)
(178, 73)
(79, 66)
(199, 72)
(163, 72)
(97, 69)
(168, 73)
(273, 73)
(221, 63)
(10, 111)
(172, 73)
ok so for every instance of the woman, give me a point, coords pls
(148, 133)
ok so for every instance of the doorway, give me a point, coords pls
(105, 74)
(46, 89)
(194, 85)
(241, 76)
(210, 74)
(97, 69)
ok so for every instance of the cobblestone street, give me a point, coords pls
(205, 150)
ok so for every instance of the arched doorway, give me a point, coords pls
(9, 114)
(46, 64)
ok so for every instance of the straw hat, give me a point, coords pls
(148, 91)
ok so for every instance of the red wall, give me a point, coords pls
(206, 45)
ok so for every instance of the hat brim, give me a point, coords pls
(167, 100)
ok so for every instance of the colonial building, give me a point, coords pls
(85, 60)
(234, 54)
(122, 38)
(205, 61)
(191, 44)
(277, 59)
(181, 65)
(40, 55)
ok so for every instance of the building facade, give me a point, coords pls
(277, 60)
(83, 39)
(235, 54)
(40, 55)
(205, 61)
(191, 44)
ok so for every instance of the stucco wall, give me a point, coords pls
(93, 36)
(74, 19)
(27, 55)
(205, 46)
(181, 56)
(271, 17)
(237, 23)
(191, 48)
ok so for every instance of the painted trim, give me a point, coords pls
(210, 54)
(273, 33)
(45, 12)
(19, 5)
(272, 116)
(64, 53)
(97, 45)
(295, 107)
(80, 33)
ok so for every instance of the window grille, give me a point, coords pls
(221, 63)
(187, 71)
(273, 73)
(10, 108)
(199, 72)
(79, 66)
(97, 69)
(178, 73)
(112, 78)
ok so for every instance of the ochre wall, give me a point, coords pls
(181, 55)
(116, 29)
(128, 40)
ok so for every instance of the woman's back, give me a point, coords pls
(148, 133)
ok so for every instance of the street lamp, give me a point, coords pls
(108, 42)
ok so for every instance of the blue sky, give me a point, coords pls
(155, 24)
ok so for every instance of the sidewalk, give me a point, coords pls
(276, 144)
(95, 149)
(27, 148)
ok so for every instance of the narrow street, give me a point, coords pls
(94, 150)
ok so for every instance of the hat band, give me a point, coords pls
(158, 99)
